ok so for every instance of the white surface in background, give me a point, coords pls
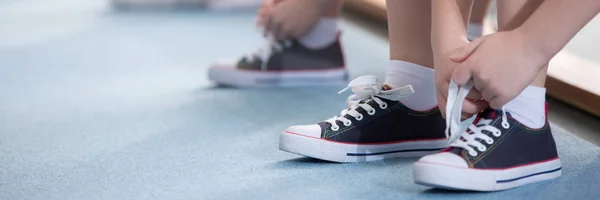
(586, 43)
(23, 23)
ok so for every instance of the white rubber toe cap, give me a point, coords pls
(445, 158)
(312, 130)
(224, 64)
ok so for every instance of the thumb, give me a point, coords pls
(463, 53)
(462, 75)
(442, 105)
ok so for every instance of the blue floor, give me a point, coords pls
(102, 105)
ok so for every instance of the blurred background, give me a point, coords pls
(108, 99)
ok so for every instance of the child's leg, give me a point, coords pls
(478, 13)
(409, 24)
(511, 14)
(529, 107)
(335, 10)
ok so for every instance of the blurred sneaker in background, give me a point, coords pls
(211, 4)
(308, 54)
(285, 63)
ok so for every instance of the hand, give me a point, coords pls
(265, 7)
(444, 67)
(501, 66)
(292, 18)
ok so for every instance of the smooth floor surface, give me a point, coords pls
(102, 105)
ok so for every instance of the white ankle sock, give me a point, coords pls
(529, 107)
(474, 31)
(323, 33)
(401, 73)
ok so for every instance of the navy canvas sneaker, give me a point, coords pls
(284, 63)
(495, 153)
(375, 126)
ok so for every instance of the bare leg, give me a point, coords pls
(411, 54)
(409, 29)
(409, 25)
(480, 9)
(511, 14)
(475, 29)
(335, 10)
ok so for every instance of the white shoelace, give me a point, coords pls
(263, 53)
(468, 141)
(366, 89)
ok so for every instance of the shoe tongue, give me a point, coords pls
(485, 116)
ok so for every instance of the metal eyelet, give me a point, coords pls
(335, 128)
(371, 112)
(383, 106)
(360, 117)
(473, 153)
(348, 124)
(505, 125)
(497, 133)
(490, 141)
(481, 148)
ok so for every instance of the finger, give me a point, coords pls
(487, 94)
(465, 51)
(500, 100)
(470, 107)
(277, 31)
(462, 74)
(262, 21)
(497, 102)
(442, 105)
(442, 88)
(465, 116)
(481, 105)
(442, 96)
(474, 95)
(287, 32)
(269, 26)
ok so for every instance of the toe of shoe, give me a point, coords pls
(312, 130)
(224, 64)
(444, 158)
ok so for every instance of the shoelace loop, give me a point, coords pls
(468, 139)
(366, 89)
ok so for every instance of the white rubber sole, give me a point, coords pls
(228, 75)
(344, 152)
(460, 178)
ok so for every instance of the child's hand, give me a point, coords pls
(265, 8)
(444, 67)
(292, 18)
(501, 66)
